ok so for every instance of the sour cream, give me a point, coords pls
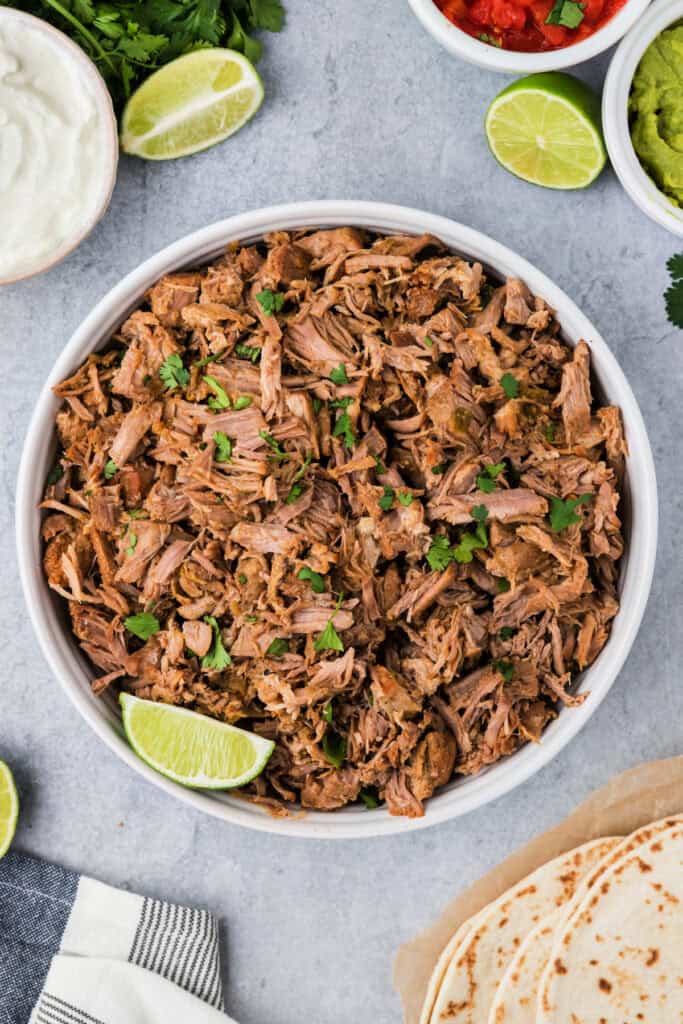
(57, 146)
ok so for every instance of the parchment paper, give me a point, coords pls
(636, 797)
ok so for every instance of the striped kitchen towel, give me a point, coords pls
(75, 951)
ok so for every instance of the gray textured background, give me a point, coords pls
(360, 104)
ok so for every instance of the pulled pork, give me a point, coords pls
(344, 491)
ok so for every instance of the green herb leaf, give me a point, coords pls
(369, 798)
(209, 359)
(439, 554)
(568, 13)
(243, 402)
(486, 484)
(223, 445)
(470, 542)
(136, 513)
(506, 669)
(173, 373)
(405, 499)
(55, 474)
(132, 542)
(295, 491)
(480, 513)
(329, 639)
(242, 579)
(334, 748)
(270, 302)
(379, 466)
(278, 452)
(387, 499)
(218, 658)
(491, 40)
(550, 432)
(506, 633)
(143, 625)
(503, 586)
(317, 405)
(110, 469)
(673, 296)
(278, 647)
(338, 375)
(328, 713)
(439, 470)
(303, 467)
(315, 579)
(562, 513)
(344, 427)
(248, 352)
(221, 399)
(509, 384)
(428, 341)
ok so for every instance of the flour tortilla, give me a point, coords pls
(517, 994)
(447, 954)
(619, 954)
(480, 961)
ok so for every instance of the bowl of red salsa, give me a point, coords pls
(527, 35)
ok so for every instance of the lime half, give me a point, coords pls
(9, 808)
(190, 748)
(190, 104)
(546, 129)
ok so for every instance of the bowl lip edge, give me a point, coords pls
(479, 789)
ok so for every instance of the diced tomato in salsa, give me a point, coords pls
(521, 24)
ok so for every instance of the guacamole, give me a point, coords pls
(656, 109)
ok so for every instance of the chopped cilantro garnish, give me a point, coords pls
(173, 373)
(223, 445)
(317, 405)
(550, 432)
(328, 713)
(506, 669)
(369, 798)
(568, 13)
(136, 513)
(387, 499)
(218, 658)
(295, 491)
(338, 375)
(405, 499)
(209, 359)
(503, 586)
(470, 542)
(510, 385)
(491, 40)
(438, 470)
(242, 578)
(342, 403)
(315, 579)
(486, 484)
(270, 302)
(132, 543)
(143, 625)
(329, 639)
(278, 647)
(334, 748)
(428, 341)
(278, 452)
(243, 402)
(506, 632)
(673, 296)
(55, 474)
(219, 399)
(344, 427)
(439, 554)
(248, 352)
(379, 466)
(480, 513)
(110, 469)
(562, 513)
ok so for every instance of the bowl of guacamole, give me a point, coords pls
(642, 111)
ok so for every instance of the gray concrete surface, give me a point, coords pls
(360, 104)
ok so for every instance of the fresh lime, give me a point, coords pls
(192, 749)
(190, 104)
(9, 808)
(546, 129)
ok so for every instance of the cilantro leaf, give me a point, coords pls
(486, 484)
(387, 499)
(439, 554)
(110, 469)
(295, 491)
(675, 266)
(506, 633)
(503, 586)
(470, 542)
(218, 658)
(278, 647)
(219, 399)
(329, 639)
(344, 427)
(338, 376)
(243, 402)
(568, 13)
(439, 470)
(240, 40)
(549, 432)
(328, 713)
(278, 452)
(248, 352)
(510, 385)
(132, 543)
(506, 669)
(480, 513)
(270, 302)
(223, 445)
(173, 373)
(673, 296)
(562, 513)
(143, 625)
(55, 474)
(379, 466)
(405, 499)
(369, 798)
(315, 579)
(268, 14)
(334, 748)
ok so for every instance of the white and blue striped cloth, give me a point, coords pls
(75, 951)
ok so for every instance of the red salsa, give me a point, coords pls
(530, 25)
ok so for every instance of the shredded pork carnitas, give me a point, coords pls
(343, 491)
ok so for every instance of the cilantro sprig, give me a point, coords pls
(329, 639)
(562, 513)
(673, 296)
(173, 373)
(218, 658)
(568, 13)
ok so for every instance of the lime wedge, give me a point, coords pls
(190, 104)
(190, 748)
(546, 129)
(9, 808)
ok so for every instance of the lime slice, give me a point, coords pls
(9, 808)
(190, 104)
(192, 749)
(546, 129)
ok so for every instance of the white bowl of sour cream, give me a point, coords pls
(58, 145)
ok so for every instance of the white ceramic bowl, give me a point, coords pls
(626, 164)
(48, 613)
(462, 45)
(109, 136)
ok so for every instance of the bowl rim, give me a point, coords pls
(633, 177)
(474, 51)
(105, 107)
(68, 665)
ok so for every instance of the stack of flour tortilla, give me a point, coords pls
(592, 937)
